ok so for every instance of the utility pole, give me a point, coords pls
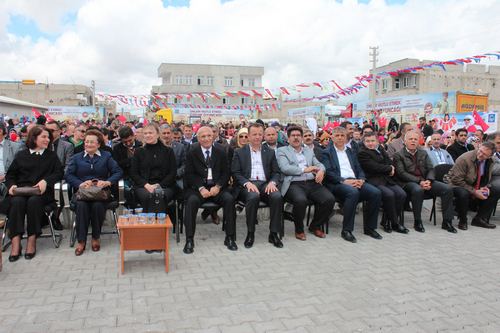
(93, 93)
(374, 81)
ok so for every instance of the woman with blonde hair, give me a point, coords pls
(242, 140)
(324, 140)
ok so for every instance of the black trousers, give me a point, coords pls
(142, 195)
(89, 212)
(252, 200)
(486, 207)
(299, 192)
(193, 202)
(393, 200)
(31, 208)
(438, 189)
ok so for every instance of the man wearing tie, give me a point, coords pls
(436, 154)
(256, 175)
(207, 176)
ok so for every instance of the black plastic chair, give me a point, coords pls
(441, 171)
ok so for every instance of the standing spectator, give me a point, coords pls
(425, 128)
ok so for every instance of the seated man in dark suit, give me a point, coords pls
(255, 177)
(346, 180)
(177, 136)
(308, 139)
(207, 176)
(271, 137)
(302, 177)
(460, 146)
(379, 171)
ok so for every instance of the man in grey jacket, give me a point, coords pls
(302, 175)
(398, 144)
(436, 154)
(415, 174)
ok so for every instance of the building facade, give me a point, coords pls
(468, 77)
(192, 78)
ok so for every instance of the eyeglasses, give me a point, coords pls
(482, 153)
(243, 136)
(81, 131)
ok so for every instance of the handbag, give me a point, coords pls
(26, 191)
(94, 192)
(157, 201)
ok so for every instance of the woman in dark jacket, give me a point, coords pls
(153, 165)
(90, 164)
(39, 167)
(379, 171)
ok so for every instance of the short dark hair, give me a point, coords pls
(440, 131)
(177, 130)
(33, 135)
(369, 134)
(189, 125)
(403, 126)
(41, 120)
(3, 128)
(345, 123)
(421, 118)
(125, 132)
(460, 130)
(55, 122)
(294, 128)
(480, 130)
(365, 127)
(24, 129)
(96, 133)
(254, 125)
(493, 136)
(490, 145)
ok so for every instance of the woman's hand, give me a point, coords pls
(42, 185)
(103, 183)
(11, 188)
(86, 183)
(150, 187)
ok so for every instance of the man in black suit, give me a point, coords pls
(180, 154)
(177, 136)
(271, 137)
(308, 139)
(256, 175)
(460, 146)
(207, 177)
(350, 143)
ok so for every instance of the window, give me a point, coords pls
(396, 83)
(253, 101)
(178, 80)
(406, 82)
(384, 85)
(413, 80)
(251, 82)
(244, 100)
(226, 100)
(210, 80)
(189, 100)
(228, 81)
(176, 100)
(242, 82)
(189, 80)
(201, 80)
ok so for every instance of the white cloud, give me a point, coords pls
(121, 43)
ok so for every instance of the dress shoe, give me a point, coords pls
(288, 216)
(462, 225)
(387, 227)
(56, 223)
(275, 240)
(215, 218)
(29, 256)
(419, 226)
(317, 233)
(13, 258)
(446, 225)
(95, 245)
(189, 247)
(348, 236)
(372, 233)
(79, 251)
(204, 214)
(301, 236)
(249, 240)
(230, 243)
(399, 228)
(479, 222)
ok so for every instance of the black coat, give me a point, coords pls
(196, 170)
(154, 163)
(120, 155)
(456, 150)
(377, 166)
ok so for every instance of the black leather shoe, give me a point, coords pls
(372, 233)
(479, 222)
(29, 256)
(249, 240)
(399, 228)
(230, 243)
(348, 236)
(446, 225)
(56, 223)
(387, 226)
(14, 258)
(189, 247)
(288, 216)
(462, 225)
(275, 240)
(419, 226)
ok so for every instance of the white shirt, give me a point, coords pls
(40, 152)
(345, 166)
(301, 158)
(439, 155)
(257, 166)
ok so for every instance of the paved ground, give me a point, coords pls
(429, 282)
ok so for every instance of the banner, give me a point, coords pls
(472, 121)
(299, 115)
(62, 113)
(469, 103)
(215, 115)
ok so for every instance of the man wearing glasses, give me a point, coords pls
(77, 138)
(470, 178)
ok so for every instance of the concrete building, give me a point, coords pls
(48, 94)
(192, 78)
(470, 77)
(281, 114)
(14, 108)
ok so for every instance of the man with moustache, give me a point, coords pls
(308, 140)
(460, 146)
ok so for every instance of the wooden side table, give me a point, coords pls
(145, 237)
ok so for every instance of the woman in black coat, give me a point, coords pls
(39, 167)
(153, 165)
(379, 171)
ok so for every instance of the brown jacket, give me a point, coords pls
(405, 167)
(464, 172)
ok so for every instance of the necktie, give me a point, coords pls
(209, 181)
(208, 158)
(478, 177)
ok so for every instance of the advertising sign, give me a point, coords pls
(62, 113)
(472, 121)
(413, 105)
(216, 115)
(299, 115)
(469, 103)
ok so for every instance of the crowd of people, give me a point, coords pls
(249, 163)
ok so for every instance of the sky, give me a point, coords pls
(121, 43)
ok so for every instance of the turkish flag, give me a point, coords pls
(122, 118)
(37, 114)
(479, 122)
